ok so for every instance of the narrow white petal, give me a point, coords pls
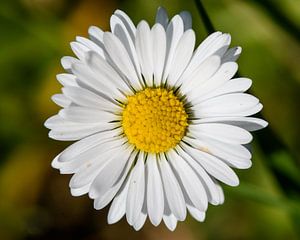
(155, 194)
(86, 98)
(182, 56)
(143, 44)
(218, 46)
(196, 213)
(248, 123)
(221, 193)
(66, 79)
(86, 144)
(96, 35)
(221, 132)
(235, 104)
(232, 54)
(189, 180)
(87, 115)
(67, 62)
(120, 57)
(79, 49)
(159, 52)
(75, 192)
(121, 28)
(170, 221)
(173, 34)
(136, 191)
(201, 74)
(139, 223)
(65, 130)
(215, 167)
(118, 207)
(236, 85)
(106, 72)
(209, 185)
(102, 200)
(224, 74)
(90, 170)
(61, 100)
(86, 77)
(162, 17)
(127, 22)
(187, 20)
(109, 174)
(172, 190)
(91, 45)
(197, 58)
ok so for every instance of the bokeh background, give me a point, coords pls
(35, 202)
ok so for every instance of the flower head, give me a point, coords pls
(158, 124)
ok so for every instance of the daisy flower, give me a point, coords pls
(158, 123)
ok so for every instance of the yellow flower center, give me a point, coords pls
(154, 120)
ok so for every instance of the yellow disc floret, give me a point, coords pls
(154, 120)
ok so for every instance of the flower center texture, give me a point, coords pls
(154, 120)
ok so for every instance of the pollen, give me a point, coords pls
(154, 120)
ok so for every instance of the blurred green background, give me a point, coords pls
(35, 202)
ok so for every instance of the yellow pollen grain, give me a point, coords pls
(154, 120)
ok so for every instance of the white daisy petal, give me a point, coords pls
(79, 49)
(201, 74)
(224, 73)
(96, 35)
(155, 195)
(85, 144)
(187, 20)
(143, 44)
(215, 167)
(89, 171)
(118, 207)
(127, 22)
(248, 123)
(86, 77)
(222, 132)
(173, 34)
(232, 54)
(135, 196)
(234, 154)
(67, 62)
(75, 192)
(121, 28)
(87, 115)
(235, 104)
(139, 223)
(182, 56)
(197, 58)
(236, 85)
(221, 193)
(120, 57)
(195, 213)
(172, 189)
(170, 221)
(67, 80)
(159, 52)
(189, 180)
(91, 45)
(86, 98)
(61, 100)
(65, 130)
(162, 17)
(208, 184)
(88, 157)
(106, 73)
(109, 174)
